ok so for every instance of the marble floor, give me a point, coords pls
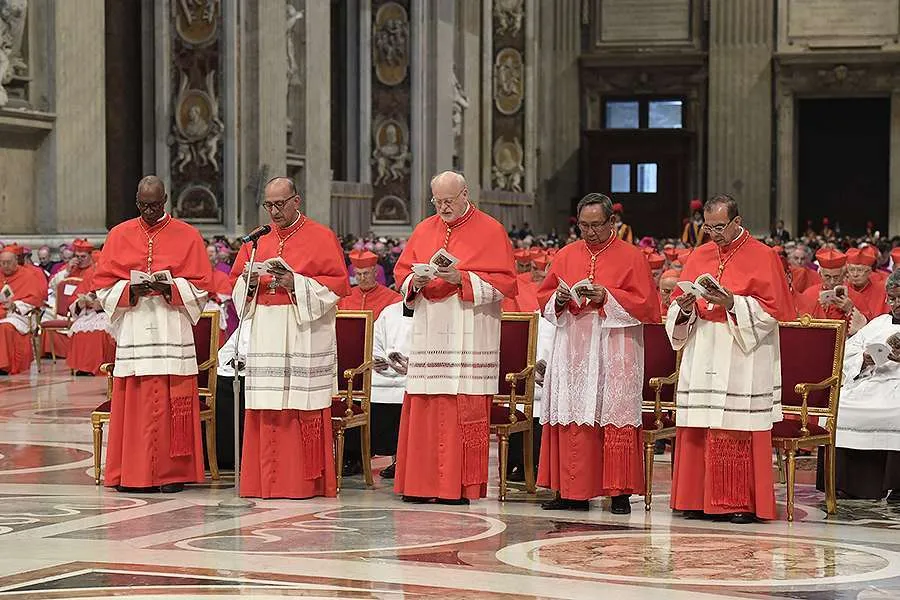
(63, 537)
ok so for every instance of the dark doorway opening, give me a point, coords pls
(844, 163)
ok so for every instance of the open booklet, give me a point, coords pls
(832, 296)
(440, 260)
(263, 267)
(576, 290)
(703, 284)
(879, 352)
(138, 277)
(6, 294)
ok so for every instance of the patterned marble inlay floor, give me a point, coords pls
(63, 537)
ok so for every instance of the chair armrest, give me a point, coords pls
(804, 389)
(523, 374)
(349, 374)
(107, 368)
(657, 382)
(511, 379)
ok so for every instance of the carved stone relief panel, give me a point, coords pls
(644, 23)
(509, 102)
(196, 137)
(391, 158)
(14, 72)
(806, 25)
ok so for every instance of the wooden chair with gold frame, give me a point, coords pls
(36, 333)
(62, 322)
(518, 350)
(812, 360)
(351, 408)
(661, 365)
(206, 344)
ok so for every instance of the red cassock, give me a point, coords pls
(871, 299)
(375, 299)
(88, 350)
(289, 453)
(526, 300)
(803, 278)
(60, 343)
(751, 269)
(154, 429)
(15, 348)
(808, 304)
(442, 449)
(586, 461)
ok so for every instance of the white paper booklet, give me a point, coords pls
(575, 290)
(165, 276)
(703, 284)
(6, 294)
(832, 296)
(879, 352)
(440, 260)
(262, 268)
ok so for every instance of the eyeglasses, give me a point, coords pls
(893, 300)
(446, 201)
(278, 204)
(719, 229)
(595, 226)
(142, 206)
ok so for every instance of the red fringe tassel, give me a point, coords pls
(475, 433)
(311, 438)
(729, 467)
(618, 457)
(181, 433)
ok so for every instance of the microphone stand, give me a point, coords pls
(237, 502)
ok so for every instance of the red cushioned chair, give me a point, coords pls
(351, 408)
(64, 302)
(206, 345)
(518, 348)
(657, 408)
(812, 360)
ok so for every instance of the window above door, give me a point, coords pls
(643, 113)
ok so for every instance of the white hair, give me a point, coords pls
(453, 175)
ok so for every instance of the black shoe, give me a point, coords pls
(659, 447)
(352, 468)
(389, 471)
(693, 515)
(621, 505)
(516, 474)
(416, 500)
(3, 373)
(894, 497)
(453, 501)
(171, 488)
(563, 504)
(83, 374)
(742, 518)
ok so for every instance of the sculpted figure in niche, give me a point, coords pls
(508, 16)
(460, 103)
(391, 41)
(391, 155)
(508, 170)
(12, 29)
(293, 16)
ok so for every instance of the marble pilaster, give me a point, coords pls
(317, 192)
(468, 71)
(894, 202)
(740, 105)
(79, 186)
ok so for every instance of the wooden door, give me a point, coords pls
(647, 171)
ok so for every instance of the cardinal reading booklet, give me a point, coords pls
(832, 296)
(703, 284)
(262, 268)
(6, 293)
(138, 277)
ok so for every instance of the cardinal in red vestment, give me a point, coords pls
(21, 291)
(591, 407)
(154, 431)
(833, 274)
(454, 357)
(729, 381)
(368, 294)
(80, 266)
(91, 343)
(867, 292)
(291, 361)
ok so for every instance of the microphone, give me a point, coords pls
(256, 233)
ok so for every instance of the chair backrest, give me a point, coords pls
(64, 300)
(812, 350)
(354, 332)
(518, 348)
(206, 345)
(660, 360)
